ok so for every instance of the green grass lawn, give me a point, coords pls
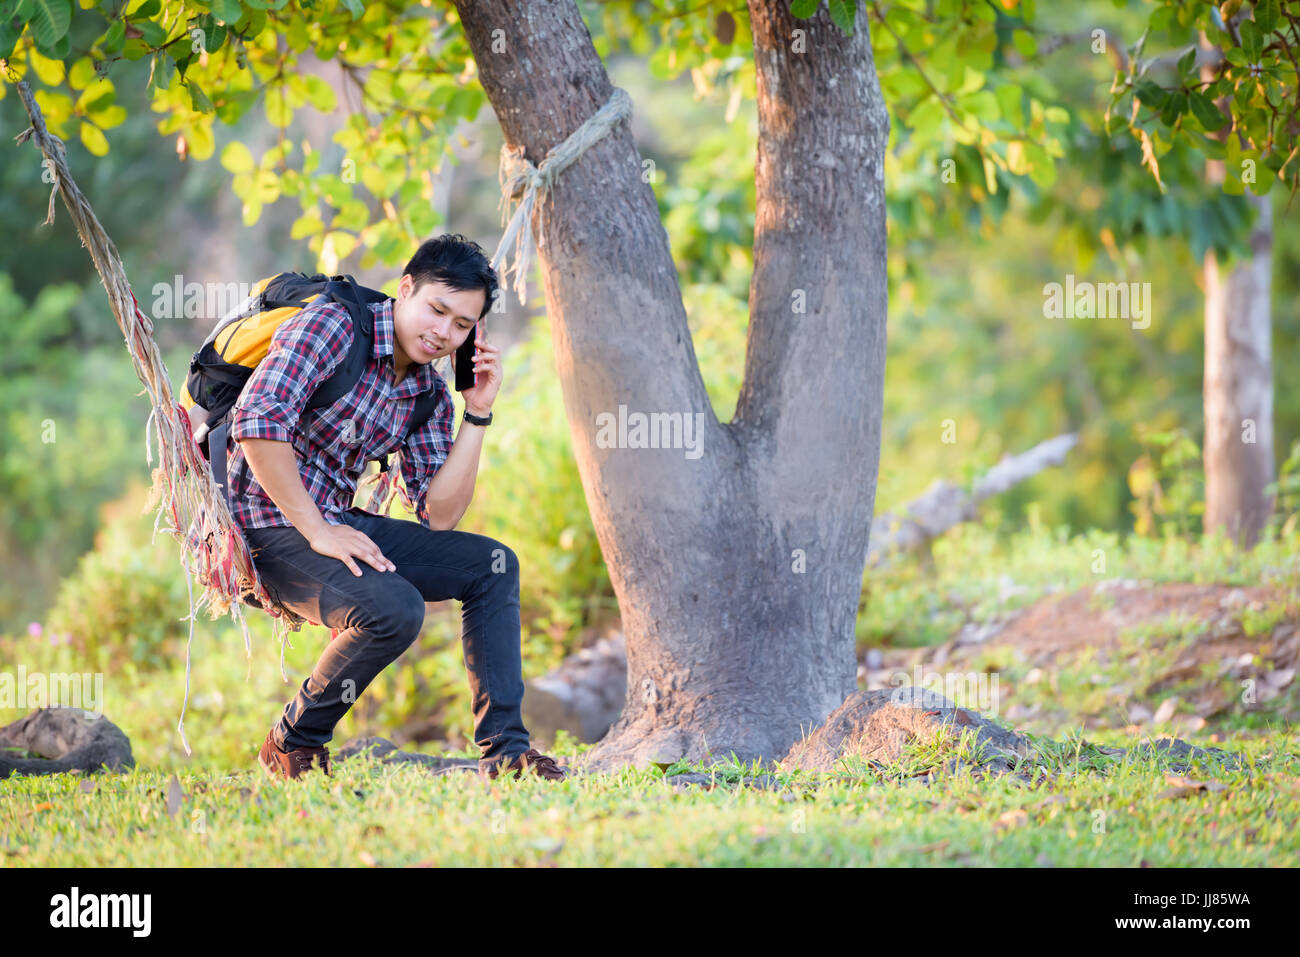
(1070, 804)
(1080, 808)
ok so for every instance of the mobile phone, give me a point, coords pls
(466, 378)
(479, 337)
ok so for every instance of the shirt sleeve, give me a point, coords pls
(303, 353)
(424, 453)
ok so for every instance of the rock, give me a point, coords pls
(66, 739)
(874, 726)
(1166, 710)
(1234, 599)
(1280, 678)
(1183, 753)
(584, 695)
(1138, 714)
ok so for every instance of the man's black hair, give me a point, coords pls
(456, 261)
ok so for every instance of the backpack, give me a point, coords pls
(223, 364)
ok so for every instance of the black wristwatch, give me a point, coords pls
(477, 420)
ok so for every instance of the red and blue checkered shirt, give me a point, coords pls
(333, 444)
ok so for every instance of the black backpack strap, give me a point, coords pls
(217, 455)
(343, 290)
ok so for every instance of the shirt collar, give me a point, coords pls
(420, 377)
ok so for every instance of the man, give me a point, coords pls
(293, 480)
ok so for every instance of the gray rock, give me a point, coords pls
(584, 695)
(66, 739)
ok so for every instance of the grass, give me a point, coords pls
(1079, 807)
(1076, 802)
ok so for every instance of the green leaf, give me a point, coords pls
(152, 33)
(82, 73)
(1252, 41)
(1009, 104)
(277, 109)
(1174, 107)
(1151, 95)
(201, 141)
(198, 99)
(1043, 171)
(214, 36)
(237, 158)
(355, 7)
(1263, 181)
(227, 10)
(803, 9)
(1205, 111)
(1267, 13)
(114, 36)
(50, 21)
(308, 224)
(50, 71)
(146, 9)
(843, 13)
(1024, 42)
(8, 40)
(321, 94)
(93, 139)
(161, 70)
(57, 50)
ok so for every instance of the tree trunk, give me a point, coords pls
(1239, 387)
(738, 571)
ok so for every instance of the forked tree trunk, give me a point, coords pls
(738, 572)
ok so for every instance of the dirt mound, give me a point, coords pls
(874, 726)
(1228, 639)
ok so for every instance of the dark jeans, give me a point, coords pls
(381, 613)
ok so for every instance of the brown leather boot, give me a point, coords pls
(291, 764)
(532, 761)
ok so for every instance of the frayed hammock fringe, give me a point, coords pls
(213, 550)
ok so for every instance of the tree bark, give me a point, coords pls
(738, 572)
(1238, 388)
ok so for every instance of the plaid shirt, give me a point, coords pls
(333, 444)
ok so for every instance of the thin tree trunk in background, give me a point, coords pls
(738, 571)
(1238, 381)
(1239, 387)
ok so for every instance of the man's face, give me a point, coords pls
(433, 320)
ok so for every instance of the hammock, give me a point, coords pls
(213, 551)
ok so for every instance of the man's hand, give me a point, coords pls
(343, 542)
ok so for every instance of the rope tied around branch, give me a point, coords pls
(517, 175)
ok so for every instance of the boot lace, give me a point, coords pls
(303, 759)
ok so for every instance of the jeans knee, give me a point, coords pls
(502, 559)
(399, 616)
